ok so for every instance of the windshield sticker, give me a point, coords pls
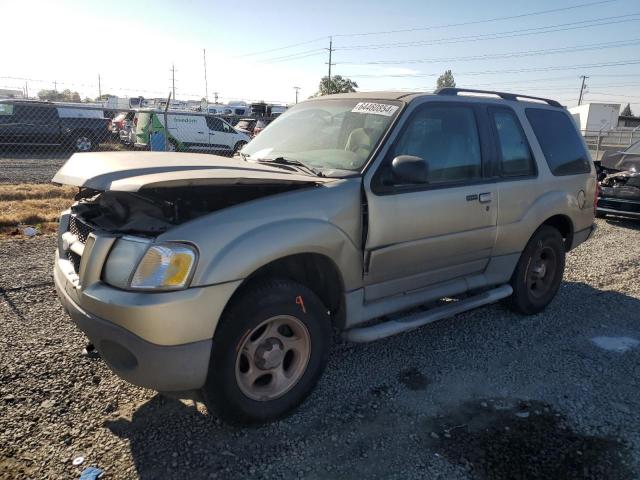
(375, 108)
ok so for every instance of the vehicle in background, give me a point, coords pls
(593, 118)
(28, 122)
(119, 122)
(218, 109)
(225, 279)
(619, 177)
(251, 126)
(188, 131)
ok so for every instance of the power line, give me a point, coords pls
(432, 27)
(490, 72)
(476, 22)
(526, 53)
(293, 45)
(499, 35)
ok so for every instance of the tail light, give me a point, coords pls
(135, 121)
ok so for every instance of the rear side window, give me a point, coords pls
(515, 156)
(559, 141)
(6, 109)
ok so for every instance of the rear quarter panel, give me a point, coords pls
(525, 204)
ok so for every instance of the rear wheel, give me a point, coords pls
(269, 351)
(82, 143)
(538, 274)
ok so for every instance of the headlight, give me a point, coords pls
(138, 264)
(166, 266)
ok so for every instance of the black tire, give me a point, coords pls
(82, 142)
(238, 146)
(532, 289)
(222, 392)
(600, 214)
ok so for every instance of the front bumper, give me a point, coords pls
(619, 206)
(165, 368)
(155, 340)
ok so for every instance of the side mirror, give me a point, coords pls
(410, 169)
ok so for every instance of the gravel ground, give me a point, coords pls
(486, 395)
(19, 167)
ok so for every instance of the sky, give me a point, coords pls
(261, 50)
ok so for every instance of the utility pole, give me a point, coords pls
(26, 89)
(99, 88)
(206, 87)
(173, 80)
(55, 86)
(296, 89)
(583, 77)
(330, 52)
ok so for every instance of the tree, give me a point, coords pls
(55, 96)
(337, 84)
(446, 80)
(104, 97)
(627, 111)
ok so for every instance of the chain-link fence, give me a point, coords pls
(47, 133)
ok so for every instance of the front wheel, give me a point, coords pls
(269, 351)
(239, 146)
(538, 274)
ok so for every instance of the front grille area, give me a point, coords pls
(80, 229)
(74, 258)
(619, 206)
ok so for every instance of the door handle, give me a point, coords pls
(200, 132)
(485, 197)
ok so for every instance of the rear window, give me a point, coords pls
(559, 141)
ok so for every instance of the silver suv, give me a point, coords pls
(222, 279)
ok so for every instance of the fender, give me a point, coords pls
(260, 246)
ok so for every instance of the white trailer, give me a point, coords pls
(596, 117)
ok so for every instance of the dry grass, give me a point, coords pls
(32, 204)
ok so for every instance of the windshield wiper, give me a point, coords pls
(291, 162)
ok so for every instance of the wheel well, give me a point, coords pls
(563, 224)
(315, 271)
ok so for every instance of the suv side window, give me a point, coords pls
(515, 155)
(214, 124)
(559, 140)
(447, 138)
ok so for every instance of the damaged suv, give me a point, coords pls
(222, 279)
(619, 176)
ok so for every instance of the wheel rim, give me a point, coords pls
(272, 358)
(83, 144)
(542, 271)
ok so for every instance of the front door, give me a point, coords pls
(423, 234)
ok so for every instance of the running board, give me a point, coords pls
(416, 320)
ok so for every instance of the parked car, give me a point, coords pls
(251, 126)
(119, 121)
(223, 278)
(189, 131)
(619, 176)
(28, 122)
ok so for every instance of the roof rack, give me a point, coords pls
(505, 96)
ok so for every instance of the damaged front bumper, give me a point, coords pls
(157, 340)
(618, 206)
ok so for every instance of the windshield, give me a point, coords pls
(328, 134)
(635, 148)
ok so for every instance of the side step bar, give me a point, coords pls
(416, 320)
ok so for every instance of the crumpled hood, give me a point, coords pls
(130, 172)
(616, 160)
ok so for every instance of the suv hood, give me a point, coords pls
(130, 172)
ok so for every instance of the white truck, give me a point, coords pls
(593, 118)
